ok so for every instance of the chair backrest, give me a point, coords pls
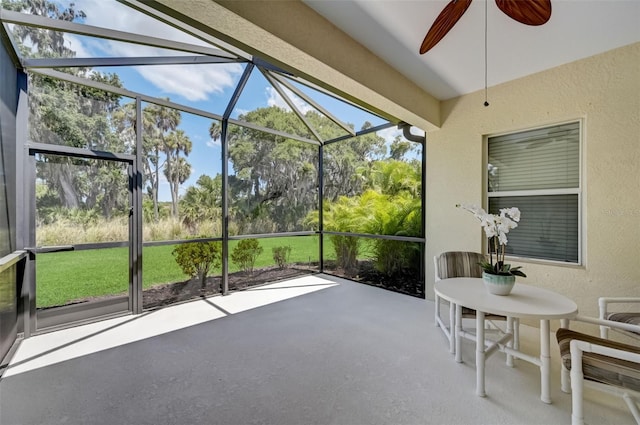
(458, 264)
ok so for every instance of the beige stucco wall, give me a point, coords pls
(603, 91)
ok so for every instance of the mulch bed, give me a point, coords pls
(171, 293)
(406, 283)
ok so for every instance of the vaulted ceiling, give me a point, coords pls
(394, 30)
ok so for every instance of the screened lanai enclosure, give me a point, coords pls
(147, 163)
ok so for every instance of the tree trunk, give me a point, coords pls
(68, 192)
(175, 186)
(154, 187)
(154, 196)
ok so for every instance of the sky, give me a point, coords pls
(204, 86)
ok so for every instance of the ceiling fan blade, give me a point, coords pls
(443, 23)
(530, 12)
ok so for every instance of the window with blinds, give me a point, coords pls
(538, 171)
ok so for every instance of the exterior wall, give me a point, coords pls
(603, 91)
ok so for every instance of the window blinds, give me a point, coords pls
(546, 158)
(539, 160)
(548, 228)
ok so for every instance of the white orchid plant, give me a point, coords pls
(496, 227)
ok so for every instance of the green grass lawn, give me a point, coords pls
(66, 276)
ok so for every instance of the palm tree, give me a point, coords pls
(393, 177)
(159, 120)
(125, 119)
(343, 215)
(202, 203)
(399, 215)
(177, 169)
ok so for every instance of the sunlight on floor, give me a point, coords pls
(50, 348)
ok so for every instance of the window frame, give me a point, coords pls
(541, 192)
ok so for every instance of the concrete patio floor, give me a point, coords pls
(311, 350)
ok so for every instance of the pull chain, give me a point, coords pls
(486, 103)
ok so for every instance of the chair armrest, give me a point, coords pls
(609, 323)
(591, 347)
(605, 325)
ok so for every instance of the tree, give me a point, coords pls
(43, 42)
(164, 149)
(275, 181)
(346, 164)
(390, 205)
(159, 121)
(72, 115)
(177, 170)
(197, 258)
(393, 177)
(342, 215)
(202, 202)
(246, 253)
(395, 215)
(274, 185)
(399, 148)
(125, 118)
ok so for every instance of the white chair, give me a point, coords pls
(462, 264)
(630, 317)
(603, 364)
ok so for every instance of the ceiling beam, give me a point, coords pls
(24, 19)
(124, 61)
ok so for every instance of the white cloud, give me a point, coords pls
(389, 134)
(72, 42)
(193, 82)
(213, 143)
(274, 99)
(114, 15)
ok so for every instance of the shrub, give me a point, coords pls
(246, 253)
(281, 255)
(399, 216)
(347, 249)
(197, 258)
(343, 215)
(392, 257)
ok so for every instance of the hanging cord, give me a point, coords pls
(486, 103)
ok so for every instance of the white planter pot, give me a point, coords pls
(498, 284)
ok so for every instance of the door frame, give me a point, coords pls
(66, 315)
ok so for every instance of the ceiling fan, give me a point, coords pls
(529, 12)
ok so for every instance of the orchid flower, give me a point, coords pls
(496, 227)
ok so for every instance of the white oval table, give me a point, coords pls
(524, 302)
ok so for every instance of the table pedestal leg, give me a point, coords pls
(480, 354)
(565, 385)
(452, 328)
(545, 359)
(510, 343)
(458, 333)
